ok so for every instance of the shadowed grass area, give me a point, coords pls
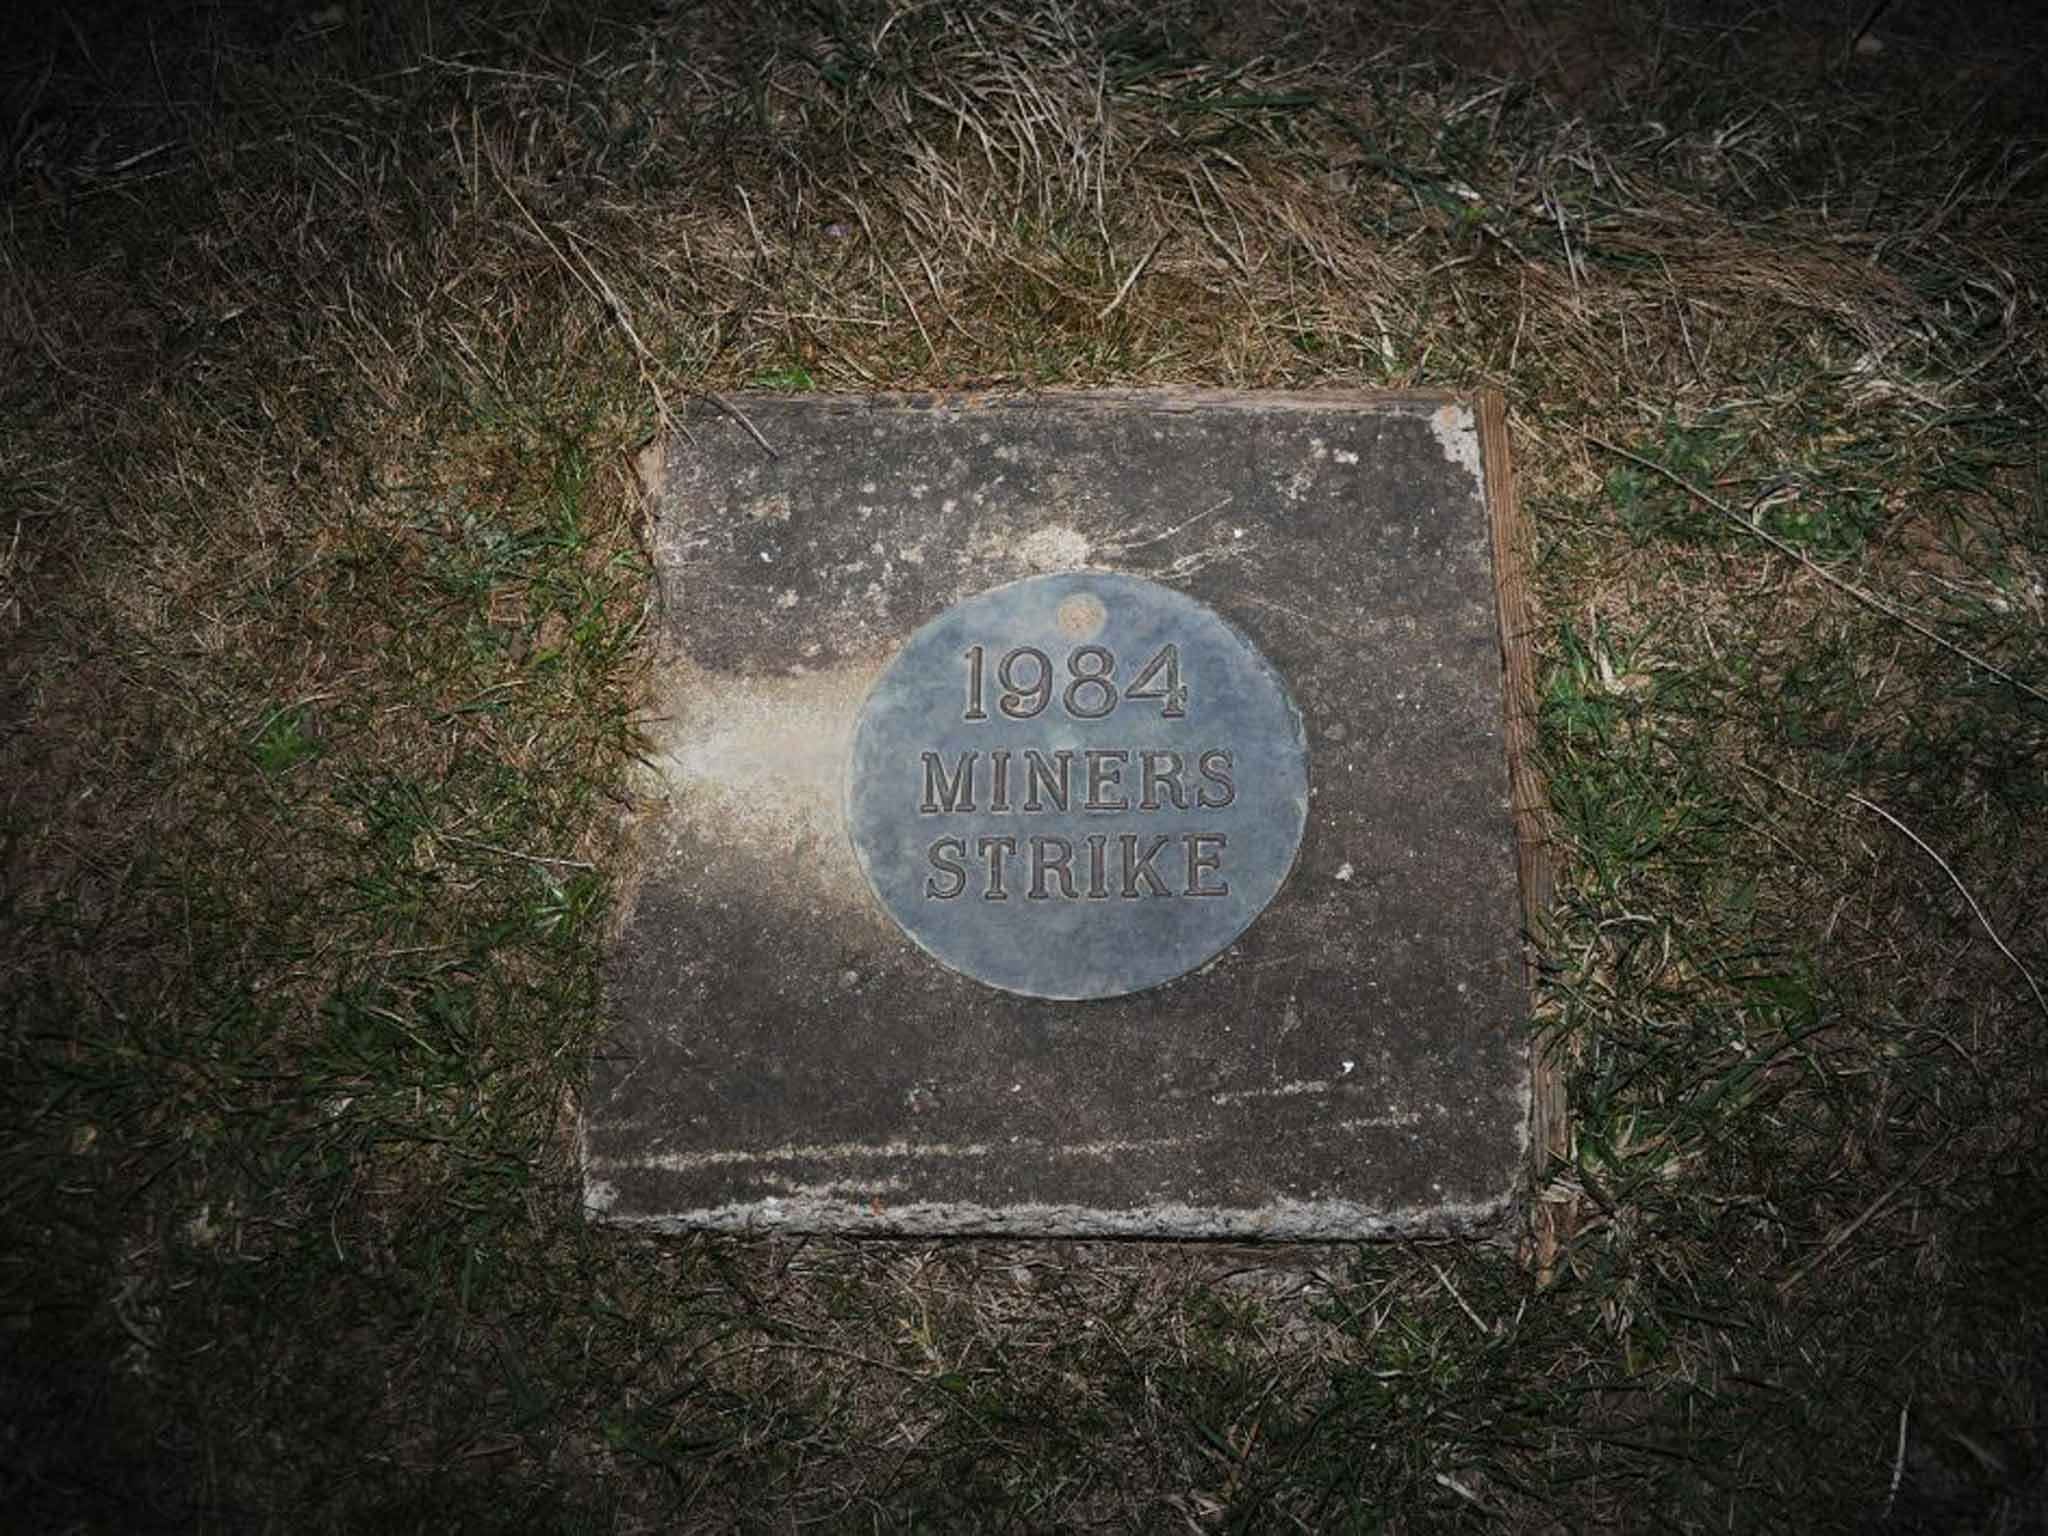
(329, 336)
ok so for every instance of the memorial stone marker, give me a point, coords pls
(1078, 814)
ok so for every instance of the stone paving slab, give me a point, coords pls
(786, 1056)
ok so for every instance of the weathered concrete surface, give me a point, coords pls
(786, 1058)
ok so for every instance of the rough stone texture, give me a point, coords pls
(786, 1058)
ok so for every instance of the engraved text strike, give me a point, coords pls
(1126, 866)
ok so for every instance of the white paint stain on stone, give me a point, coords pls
(1457, 434)
(760, 762)
(1054, 548)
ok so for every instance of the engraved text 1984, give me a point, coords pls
(1044, 866)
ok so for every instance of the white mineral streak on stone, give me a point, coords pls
(1123, 540)
(855, 1188)
(1283, 1091)
(848, 1151)
(1458, 435)
(929, 1151)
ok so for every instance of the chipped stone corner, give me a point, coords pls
(650, 469)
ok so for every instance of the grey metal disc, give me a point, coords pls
(1077, 786)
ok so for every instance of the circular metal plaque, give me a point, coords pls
(1078, 785)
